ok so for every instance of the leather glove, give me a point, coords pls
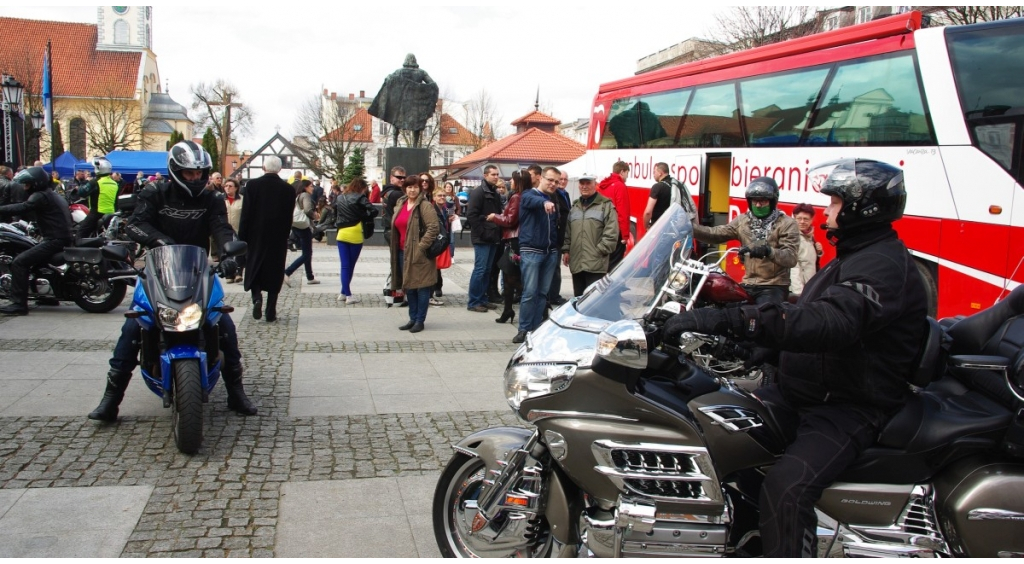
(761, 355)
(760, 251)
(713, 321)
(228, 268)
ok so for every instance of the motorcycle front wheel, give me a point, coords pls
(187, 408)
(101, 296)
(458, 489)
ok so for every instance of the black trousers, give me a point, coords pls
(23, 263)
(767, 294)
(617, 255)
(88, 226)
(826, 439)
(580, 281)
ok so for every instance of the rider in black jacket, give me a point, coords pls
(53, 219)
(177, 212)
(848, 346)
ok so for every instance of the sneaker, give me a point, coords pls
(519, 338)
(436, 302)
(341, 297)
(313, 281)
(478, 309)
(351, 300)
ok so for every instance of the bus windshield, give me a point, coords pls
(988, 63)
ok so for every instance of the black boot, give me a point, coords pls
(117, 383)
(237, 400)
(271, 306)
(257, 304)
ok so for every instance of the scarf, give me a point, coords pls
(762, 227)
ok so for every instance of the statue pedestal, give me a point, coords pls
(413, 160)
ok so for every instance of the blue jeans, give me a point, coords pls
(305, 237)
(349, 254)
(537, 270)
(417, 298)
(483, 257)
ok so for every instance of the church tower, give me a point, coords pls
(124, 28)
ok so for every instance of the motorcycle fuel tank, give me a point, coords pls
(980, 504)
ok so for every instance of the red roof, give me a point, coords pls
(462, 136)
(532, 145)
(358, 129)
(78, 68)
(537, 117)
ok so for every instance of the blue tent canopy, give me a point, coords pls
(128, 163)
(64, 164)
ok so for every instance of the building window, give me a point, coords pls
(76, 136)
(120, 32)
(453, 130)
(380, 157)
(357, 127)
(864, 14)
(831, 23)
(383, 127)
(449, 158)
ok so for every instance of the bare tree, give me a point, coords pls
(745, 27)
(960, 15)
(483, 117)
(112, 122)
(329, 134)
(220, 107)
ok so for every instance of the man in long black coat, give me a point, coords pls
(264, 226)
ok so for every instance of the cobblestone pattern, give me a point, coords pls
(223, 502)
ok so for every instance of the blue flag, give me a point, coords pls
(47, 90)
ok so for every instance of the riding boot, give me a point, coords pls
(271, 306)
(237, 400)
(117, 383)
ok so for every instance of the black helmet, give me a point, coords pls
(765, 188)
(186, 155)
(872, 191)
(33, 179)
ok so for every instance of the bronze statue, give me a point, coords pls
(406, 100)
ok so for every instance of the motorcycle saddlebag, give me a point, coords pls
(85, 261)
(125, 203)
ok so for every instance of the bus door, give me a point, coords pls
(714, 193)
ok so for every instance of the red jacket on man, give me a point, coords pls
(614, 189)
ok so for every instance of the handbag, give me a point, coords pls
(456, 224)
(368, 228)
(444, 260)
(440, 243)
(299, 218)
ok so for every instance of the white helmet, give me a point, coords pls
(186, 155)
(102, 166)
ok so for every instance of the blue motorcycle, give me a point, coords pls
(178, 304)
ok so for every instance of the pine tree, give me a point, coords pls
(56, 142)
(176, 137)
(354, 169)
(210, 144)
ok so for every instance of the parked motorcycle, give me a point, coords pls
(178, 304)
(631, 451)
(80, 274)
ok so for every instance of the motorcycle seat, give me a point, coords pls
(91, 242)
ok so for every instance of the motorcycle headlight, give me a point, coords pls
(179, 321)
(678, 281)
(526, 381)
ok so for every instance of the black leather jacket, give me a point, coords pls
(857, 330)
(483, 201)
(351, 209)
(165, 215)
(50, 211)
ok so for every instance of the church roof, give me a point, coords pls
(530, 146)
(162, 106)
(79, 69)
(536, 117)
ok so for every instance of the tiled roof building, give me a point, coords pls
(109, 60)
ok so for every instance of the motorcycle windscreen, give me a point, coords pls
(628, 290)
(178, 270)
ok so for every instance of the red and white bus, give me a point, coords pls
(945, 104)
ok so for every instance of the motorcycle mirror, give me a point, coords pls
(624, 343)
(235, 248)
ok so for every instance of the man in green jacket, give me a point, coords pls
(102, 194)
(590, 236)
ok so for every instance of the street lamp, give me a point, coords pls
(13, 91)
(37, 120)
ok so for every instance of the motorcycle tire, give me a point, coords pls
(187, 407)
(463, 480)
(105, 301)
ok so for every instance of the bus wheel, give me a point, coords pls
(931, 285)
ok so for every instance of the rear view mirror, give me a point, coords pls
(235, 248)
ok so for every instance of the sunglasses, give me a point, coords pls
(398, 176)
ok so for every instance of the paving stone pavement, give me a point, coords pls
(247, 492)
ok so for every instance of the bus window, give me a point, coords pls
(776, 107)
(623, 130)
(664, 115)
(873, 101)
(996, 140)
(713, 118)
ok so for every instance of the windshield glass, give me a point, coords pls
(988, 64)
(177, 268)
(629, 290)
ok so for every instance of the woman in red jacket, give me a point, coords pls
(508, 220)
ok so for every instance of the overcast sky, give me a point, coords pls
(278, 57)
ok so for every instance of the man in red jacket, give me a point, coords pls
(614, 188)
